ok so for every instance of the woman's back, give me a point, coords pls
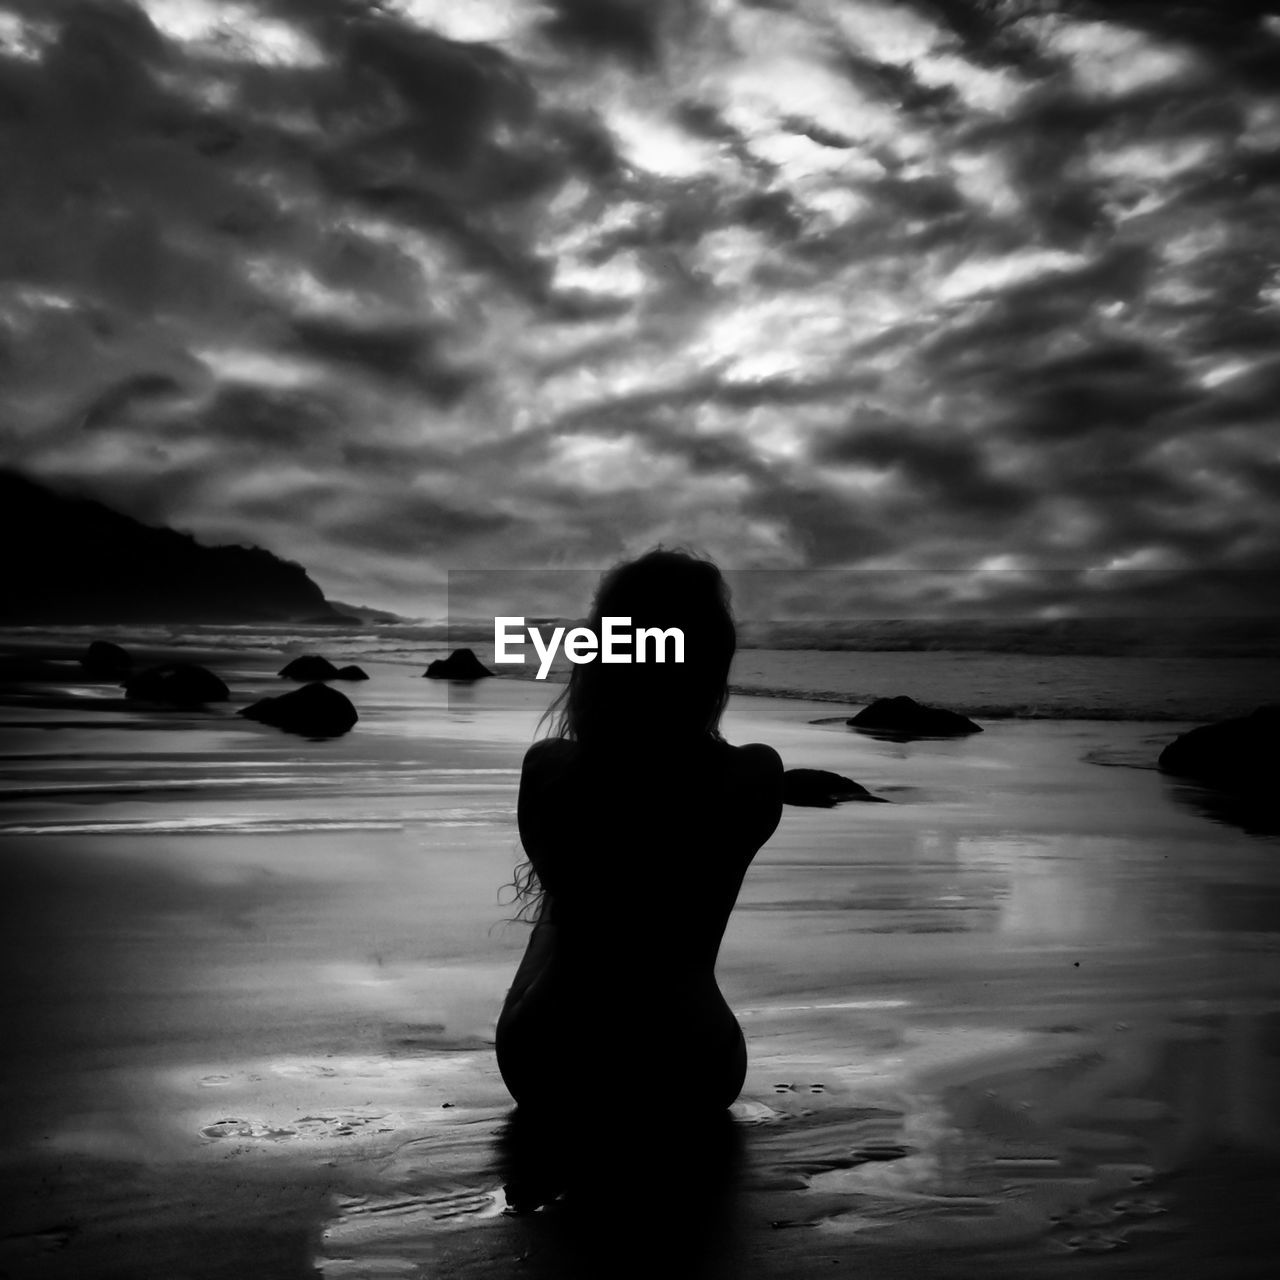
(640, 856)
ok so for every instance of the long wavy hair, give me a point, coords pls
(647, 710)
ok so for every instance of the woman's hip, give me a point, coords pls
(545, 1046)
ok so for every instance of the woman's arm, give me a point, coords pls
(537, 954)
(541, 808)
(760, 777)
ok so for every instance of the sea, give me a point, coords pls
(1068, 669)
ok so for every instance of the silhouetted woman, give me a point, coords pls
(639, 822)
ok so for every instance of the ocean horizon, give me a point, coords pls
(1088, 669)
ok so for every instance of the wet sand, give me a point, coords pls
(1025, 1018)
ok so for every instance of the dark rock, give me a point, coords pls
(904, 718)
(1240, 756)
(461, 664)
(110, 661)
(821, 789)
(309, 667)
(181, 684)
(351, 673)
(315, 710)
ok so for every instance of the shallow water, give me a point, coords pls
(1155, 682)
(1028, 1010)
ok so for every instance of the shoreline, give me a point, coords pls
(1232, 687)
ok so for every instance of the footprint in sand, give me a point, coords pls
(342, 1124)
(236, 1128)
(796, 1088)
(339, 1124)
(1098, 1215)
(1139, 1208)
(385, 1217)
(1102, 1227)
(316, 1070)
(213, 1082)
(1096, 1243)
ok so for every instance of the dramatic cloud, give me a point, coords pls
(949, 290)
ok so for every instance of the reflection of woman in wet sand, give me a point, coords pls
(639, 822)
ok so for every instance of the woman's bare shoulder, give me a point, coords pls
(548, 759)
(754, 764)
(546, 770)
(546, 750)
(755, 789)
(757, 761)
(755, 775)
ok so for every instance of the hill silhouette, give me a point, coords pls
(71, 559)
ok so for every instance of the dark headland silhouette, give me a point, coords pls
(74, 560)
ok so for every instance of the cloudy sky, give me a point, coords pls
(397, 288)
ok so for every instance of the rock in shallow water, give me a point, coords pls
(905, 718)
(461, 664)
(106, 660)
(821, 789)
(180, 684)
(310, 666)
(1241, 755)
(315, 711)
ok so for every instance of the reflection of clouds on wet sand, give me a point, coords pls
(1070, 889)
(1032, 1146)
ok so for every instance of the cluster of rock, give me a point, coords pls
(1240, 756)
(312, 666)
(1237, 758)
(898, 719)
(315, 710)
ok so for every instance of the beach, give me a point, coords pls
(922, 353)
(1022, 1019)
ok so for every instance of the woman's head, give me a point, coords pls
(627, 703)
